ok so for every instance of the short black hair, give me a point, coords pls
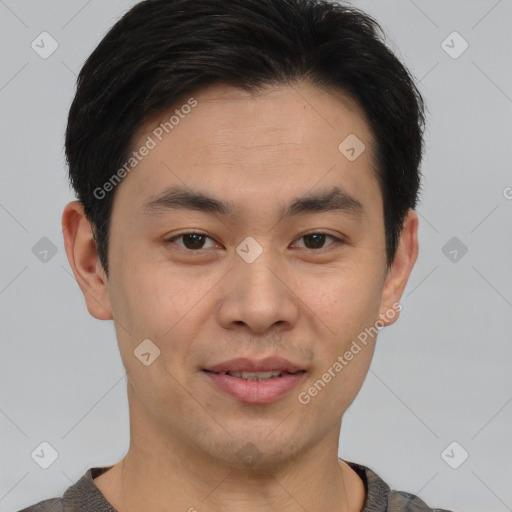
(160, 51)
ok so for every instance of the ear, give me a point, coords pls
(84, 260)
(399, 271)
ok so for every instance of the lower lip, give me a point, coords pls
(254, 391)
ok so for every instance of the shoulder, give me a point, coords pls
(401, 501)
(83, 495)
(379, 496)
(50, 505)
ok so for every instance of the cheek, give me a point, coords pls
(167, 308)
(345, 305)
(155, 305)
(344, 300)
(156, 296)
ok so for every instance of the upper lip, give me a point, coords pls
(243, 364)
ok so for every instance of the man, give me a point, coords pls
(246, 174)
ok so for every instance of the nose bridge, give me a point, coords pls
(258, 275)
(258, 296)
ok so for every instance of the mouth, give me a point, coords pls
(255, 381)
(263, 387)
(257, 376)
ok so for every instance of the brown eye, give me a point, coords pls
(191, 241)
(315, 241)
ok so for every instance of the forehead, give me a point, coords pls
(279, 139)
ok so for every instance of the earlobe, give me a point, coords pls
(84, 261)
(400, 269)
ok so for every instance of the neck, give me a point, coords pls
(164, 473)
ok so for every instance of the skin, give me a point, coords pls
(258, 151)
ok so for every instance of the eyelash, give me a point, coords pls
(337, 241)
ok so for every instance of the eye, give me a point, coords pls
(192, 241)
(316, 240)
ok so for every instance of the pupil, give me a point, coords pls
(196, 240)
(318, 237)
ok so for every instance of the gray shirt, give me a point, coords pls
(84, 496)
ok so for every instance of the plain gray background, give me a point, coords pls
(440, 375)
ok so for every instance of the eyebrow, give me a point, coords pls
(180, 198)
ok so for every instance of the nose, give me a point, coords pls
(258, 295)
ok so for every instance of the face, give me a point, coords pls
(285, 259)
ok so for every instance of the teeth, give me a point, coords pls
(255, 375)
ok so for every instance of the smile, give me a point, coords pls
(255, 387)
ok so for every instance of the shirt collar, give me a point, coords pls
(377, 491)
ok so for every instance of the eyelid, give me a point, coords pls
(189, 232)
(340, 239)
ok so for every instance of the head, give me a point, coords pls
(288, 138)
